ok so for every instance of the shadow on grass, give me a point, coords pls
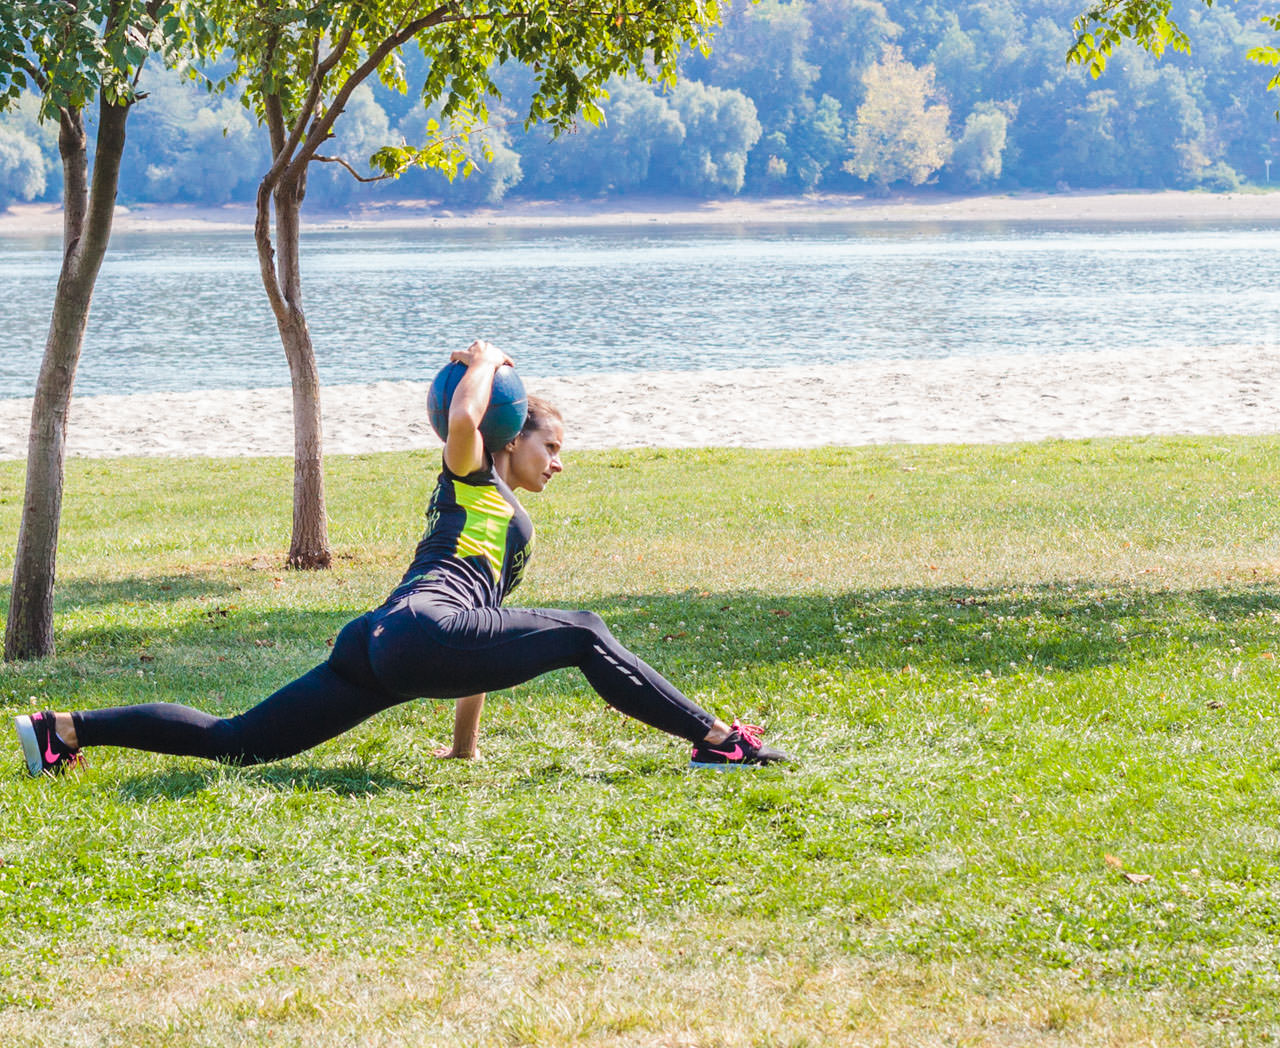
(156, 589)
(966, 630)
(348, 780)
(969, 631)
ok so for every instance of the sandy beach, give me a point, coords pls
(920, 206)
(1229, 389)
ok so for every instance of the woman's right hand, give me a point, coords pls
(480, 352)
(447, 753)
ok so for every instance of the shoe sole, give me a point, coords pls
(724, 765)
(30, 746)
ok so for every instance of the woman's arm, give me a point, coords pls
(464, 450)
(466, 728)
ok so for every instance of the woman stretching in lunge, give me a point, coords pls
(441, 634)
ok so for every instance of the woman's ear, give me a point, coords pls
(511, 444)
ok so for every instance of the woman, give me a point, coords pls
(441, 634)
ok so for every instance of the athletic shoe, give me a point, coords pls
(743, 746)
(45, 752)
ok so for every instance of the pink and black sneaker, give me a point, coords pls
(743, 746)
(46, 754)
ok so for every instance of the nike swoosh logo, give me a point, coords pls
(737, 754)
(49, 756)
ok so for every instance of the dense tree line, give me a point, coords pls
(844, 95)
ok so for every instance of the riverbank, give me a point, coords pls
(982, 400)
(1128, 207)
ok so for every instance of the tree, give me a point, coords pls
(21, 168)
(720, 127)
(23, 120)
(979, 154)
(301, 68)
(761, 53)
(847, 38)
(73, 55)
(899, 136)
(640, 127)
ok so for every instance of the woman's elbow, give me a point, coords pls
(465, 417)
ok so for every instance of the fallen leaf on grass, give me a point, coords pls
(1137, 878)
(1112, 861)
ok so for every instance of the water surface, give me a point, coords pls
(183, 312)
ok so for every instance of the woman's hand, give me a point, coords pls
(481, 352)
(446, 753)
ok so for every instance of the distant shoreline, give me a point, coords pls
(1102, 207)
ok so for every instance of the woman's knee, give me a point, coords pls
(592, 623)
(593, 632)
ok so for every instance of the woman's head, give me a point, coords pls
(533, 458)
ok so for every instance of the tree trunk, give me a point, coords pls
(87, 215)
(282, 277)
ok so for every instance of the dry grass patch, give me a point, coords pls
(677, 988)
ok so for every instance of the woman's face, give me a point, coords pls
(535, 456)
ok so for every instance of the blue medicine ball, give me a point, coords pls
(505, 415)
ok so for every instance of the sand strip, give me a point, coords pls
(1227, 389)
(1123, 207)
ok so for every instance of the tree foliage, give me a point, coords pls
(309, 60)
(1197, 118)
(901, 131)
(72, 54)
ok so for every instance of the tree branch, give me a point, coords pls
(153, 10)
(322, 129)
(335, 56)
(320, 69)
(32, 70)
(267, 251)
(354, 173)
(273, 111)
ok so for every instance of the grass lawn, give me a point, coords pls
(1031, 688)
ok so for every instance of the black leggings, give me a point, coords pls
(413, 647)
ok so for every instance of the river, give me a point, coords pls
(179, 312)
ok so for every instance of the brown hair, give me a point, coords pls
(539, 412)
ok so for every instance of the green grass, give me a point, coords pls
(1031, 689)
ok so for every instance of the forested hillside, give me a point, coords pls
(848, 95)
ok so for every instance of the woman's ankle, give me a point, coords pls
(65, 728)
(717, 733)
